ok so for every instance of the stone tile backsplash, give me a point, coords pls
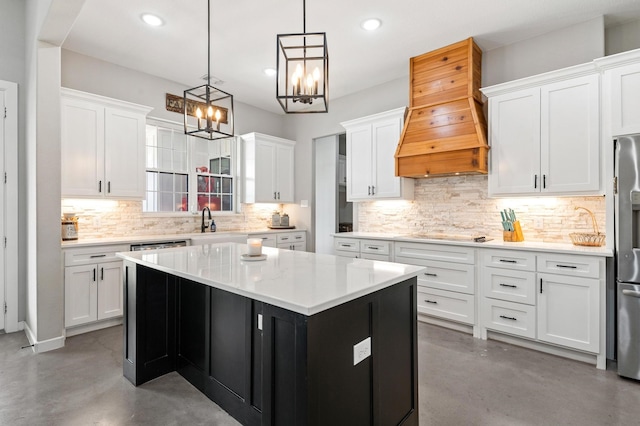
(460, 205)
(115, 218)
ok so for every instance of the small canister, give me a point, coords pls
(284, 220)
(275, 219)
(69, 228)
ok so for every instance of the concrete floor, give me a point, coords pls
(463, 381)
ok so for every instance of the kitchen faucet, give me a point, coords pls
(203, 226)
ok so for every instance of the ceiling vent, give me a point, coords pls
(445, 132)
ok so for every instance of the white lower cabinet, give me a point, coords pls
(546, 297)
(93, 284)
(447, 288)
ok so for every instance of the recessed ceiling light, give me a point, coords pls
(371, 24)
(270, 72)
(152, 20)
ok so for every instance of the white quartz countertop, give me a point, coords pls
(302, 282)
(137, 239)
(493, 244)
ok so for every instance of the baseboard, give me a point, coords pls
(446, 323)
(86, 328)
(45, 345)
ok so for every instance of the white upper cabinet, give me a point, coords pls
(102, 148)
(622, 91)
(371, 145)
(545, 135)
(268, 169)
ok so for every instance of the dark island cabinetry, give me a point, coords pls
(266, 365)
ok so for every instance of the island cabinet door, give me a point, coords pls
(149, 318)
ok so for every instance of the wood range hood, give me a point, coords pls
(445, 131)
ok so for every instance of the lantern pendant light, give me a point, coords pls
(302, 84)
(208, 111)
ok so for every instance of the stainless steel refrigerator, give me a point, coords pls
(627, 225)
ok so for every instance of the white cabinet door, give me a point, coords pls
(124, 164)
(268, 175)
(514, 132)
(109, 290)
(82, 147)
(385, 142)
(359, 163)
(568, 311)
(570, 135)
(265, 167)
(285, 173)
(624, 94)
(80, 292)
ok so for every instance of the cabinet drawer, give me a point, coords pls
(290, 237)
(446, 275)
(268, 240)
(375, 247)
(524, 261)
(577, 266)
(344, 244)
(436, 252)
(506, 284)
(508, 317)
(299, 246)
(374, 256)
(83, 256)
(351, 254)
(447, 304)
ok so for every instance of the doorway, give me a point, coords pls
(333, 213)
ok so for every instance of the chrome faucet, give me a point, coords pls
(202, 225)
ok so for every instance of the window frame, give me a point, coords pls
(192, 174)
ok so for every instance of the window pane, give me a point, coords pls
(181, 183)
(226, 185)
(214, 166)
(227, 205)
(164, 159)
(164, 138)
(165, 201)
(180, 161)
(181, 202)
(225, 166)
(166, 183)
(152, 181)
(152, 157)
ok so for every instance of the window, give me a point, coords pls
(175, 160)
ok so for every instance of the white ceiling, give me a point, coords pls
(244, 35)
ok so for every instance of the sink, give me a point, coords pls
(441, 237)
(217, 237)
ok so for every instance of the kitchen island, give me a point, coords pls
(296, 339)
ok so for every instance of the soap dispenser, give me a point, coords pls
(212, 227)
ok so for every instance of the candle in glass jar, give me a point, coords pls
(255, 246)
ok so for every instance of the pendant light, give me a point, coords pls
(302, 84)
(208, 111)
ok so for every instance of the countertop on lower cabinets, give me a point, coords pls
(536, 246)
(136, 239)
(303, 282)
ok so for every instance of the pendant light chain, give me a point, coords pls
(208, 42)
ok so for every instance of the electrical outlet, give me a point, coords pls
(259, 321)
(538, 223)
(361, 351)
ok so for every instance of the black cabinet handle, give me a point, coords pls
(101, 274)
(274, 196)
(278, 195)
(109, 187)
(285, 238)
(94, 274)
(544, 181)
(508, 285)
(508, 318)
(540, 285)
(373, 248)
(508, 261)
(93, 256)
(431, 301)
(430, 274)
(567, 266)
(368, 190)
(535, 181)
(99, 186)
(373, 190)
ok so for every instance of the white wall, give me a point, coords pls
(93, 75)
(623, 37)
(569, 46)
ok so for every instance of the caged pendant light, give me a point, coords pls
(208, 111)
(302, 84)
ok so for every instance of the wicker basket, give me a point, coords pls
(591, 239)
